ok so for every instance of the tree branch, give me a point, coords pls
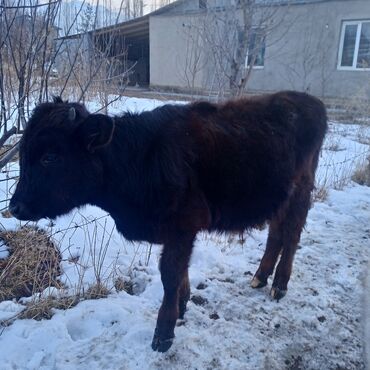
(7, 135)
(9, 156)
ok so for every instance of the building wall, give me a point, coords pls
(302, 49)
(306, 56)
(173, 57)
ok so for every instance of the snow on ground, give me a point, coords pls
(318, 325)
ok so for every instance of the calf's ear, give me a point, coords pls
(96, 131)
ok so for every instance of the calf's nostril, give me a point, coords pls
(21, 211)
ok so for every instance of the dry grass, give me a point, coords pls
(124, 285)
(40, 309)
(43, 308)
(362, 174)
(96, 291)
(363, 134)
(32, 266)
(358, 107)
(320, 193)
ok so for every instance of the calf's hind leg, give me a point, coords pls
(273, 248)
(294, 221)
(173, 267)
(284, 234)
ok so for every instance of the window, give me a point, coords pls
(202, 4)
(256, 50)
(354, 52)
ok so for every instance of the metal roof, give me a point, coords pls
(134, 28)
(139, 27)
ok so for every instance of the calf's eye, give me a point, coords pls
(50, 158)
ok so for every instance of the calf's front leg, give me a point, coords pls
(173, 266)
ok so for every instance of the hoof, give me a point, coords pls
(277, 293)
(257, 283)
(161, 345)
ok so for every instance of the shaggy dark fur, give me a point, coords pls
(165, 175)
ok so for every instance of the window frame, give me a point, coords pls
(354, 67)
(246, 65)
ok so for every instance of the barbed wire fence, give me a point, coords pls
(91, 260)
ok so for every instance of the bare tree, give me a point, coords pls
(155, 4)
(194, 61)
(132, 8)
(27, 34)
(308, 60)
(234, 36)
(93, 65)
(35, 63)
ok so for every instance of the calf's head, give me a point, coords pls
(60, 165)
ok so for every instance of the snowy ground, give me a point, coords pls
(318, 325)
